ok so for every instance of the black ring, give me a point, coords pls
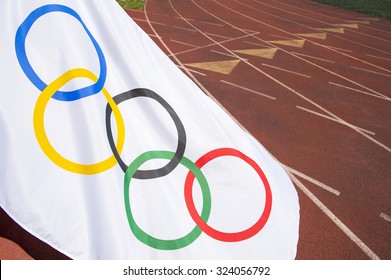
(173, 163)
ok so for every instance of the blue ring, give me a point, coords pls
(20, 48)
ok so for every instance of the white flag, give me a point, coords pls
(108, 151)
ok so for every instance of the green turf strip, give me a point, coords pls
(378, 8)
(131, 4)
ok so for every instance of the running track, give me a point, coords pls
(311, 83)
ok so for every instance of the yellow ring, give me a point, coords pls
(46, 146)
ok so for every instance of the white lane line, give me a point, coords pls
(257, 44)
(246, 30)
(362, 45)
(247, 89)
(226, 54)
(212, 23)
(378, 95)
(157, 23)
(217, 35)
(378, 30)
(191, 70)
(153, 35)
(184, 28)
(288, 71)
(382, 58)
(370, 71)
(385, 217)
(202, 21)
(317, 58)
(214, 44)
(336, 120)
(335, 48)
(183, 43)
(312, 180)
(334, 218)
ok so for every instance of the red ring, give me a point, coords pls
(219, 235)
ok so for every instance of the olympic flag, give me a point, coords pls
(108, 151)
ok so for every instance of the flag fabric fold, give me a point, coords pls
(109, 151)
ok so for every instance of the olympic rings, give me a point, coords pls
(173, 163)
(20, 41)
(43, 140)
(52, 90)
(224, 236)
(137, 231)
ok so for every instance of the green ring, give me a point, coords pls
(142, 235)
